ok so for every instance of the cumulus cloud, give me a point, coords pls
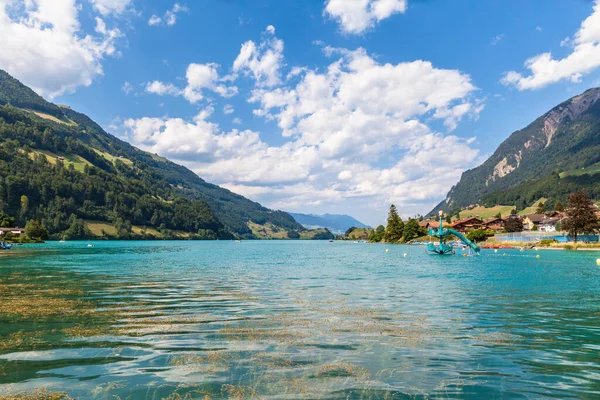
(357, 16)
(228, 109)
(43, 45)
(106, 7)
(162, 89)
(583, 59)
(200, 77)
(170, 16)
(263, 62)
(357, 136)
(359, 106)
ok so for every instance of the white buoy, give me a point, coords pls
(538, 256)
(495, 251)
(387, 250)
(598, 261)
(404, 254)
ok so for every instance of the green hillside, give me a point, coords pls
(70, 170)
(557, 153)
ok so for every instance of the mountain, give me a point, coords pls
(60, 167)
(555, 155)
(336, 223)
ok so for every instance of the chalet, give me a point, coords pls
(543, 222)
(494, 222)
(548, 224)
(531, 220)
(13, 231)
(432, 224)
(467, 224)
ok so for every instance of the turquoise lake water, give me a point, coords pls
(153, 320)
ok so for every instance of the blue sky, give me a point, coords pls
(340, 106)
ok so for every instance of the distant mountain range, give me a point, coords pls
(61, 168)
(336, 223)
(557, 154)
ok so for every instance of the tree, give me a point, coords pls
(35, 230)
(499, 215)
(513, 211)
(581, 217)
(323, 235)
(395, 227)
(411, 230)
(377, 234)
(24, 206)
(541, 208)
(6, 221)
(535, 228)
(559, 206)
(514, 225)
(477, 235)
(448, 219)
(293, 235)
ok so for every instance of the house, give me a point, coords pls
(531, 220)
(467, 224)
(494, 224)
(426, 224)
(13, 231)
(59, 158)
(548, 224)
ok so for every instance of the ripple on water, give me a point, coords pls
(306, 320)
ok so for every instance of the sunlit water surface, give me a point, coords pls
(154, 320)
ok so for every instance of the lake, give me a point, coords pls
(291, 319)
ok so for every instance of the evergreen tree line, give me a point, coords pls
(396, 230)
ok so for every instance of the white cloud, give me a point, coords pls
(264, 61)
(205, 76)
(106, 7)
(497, 39)
(43, 45)
(162, 89)
(154, 20)
(583, 59)
(127, 87)
(228, 109)
(170, 16)
(237, 121)
(356, 16)
(200, 77)
(356, 137)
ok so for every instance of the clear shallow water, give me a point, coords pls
(153, 320)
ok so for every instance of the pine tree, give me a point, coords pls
(559, 206)
(395, 226)
(541, 208)
(581, 218)
(411, 230)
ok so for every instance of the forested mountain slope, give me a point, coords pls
(560, 149)
(60, 167)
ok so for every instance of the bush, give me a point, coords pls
(35, 230)
(293, 235)
(478, 235)
(546, 242)
(568, 247)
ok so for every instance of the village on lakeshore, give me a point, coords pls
(575, 225)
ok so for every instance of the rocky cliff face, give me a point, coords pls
(533, 152)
